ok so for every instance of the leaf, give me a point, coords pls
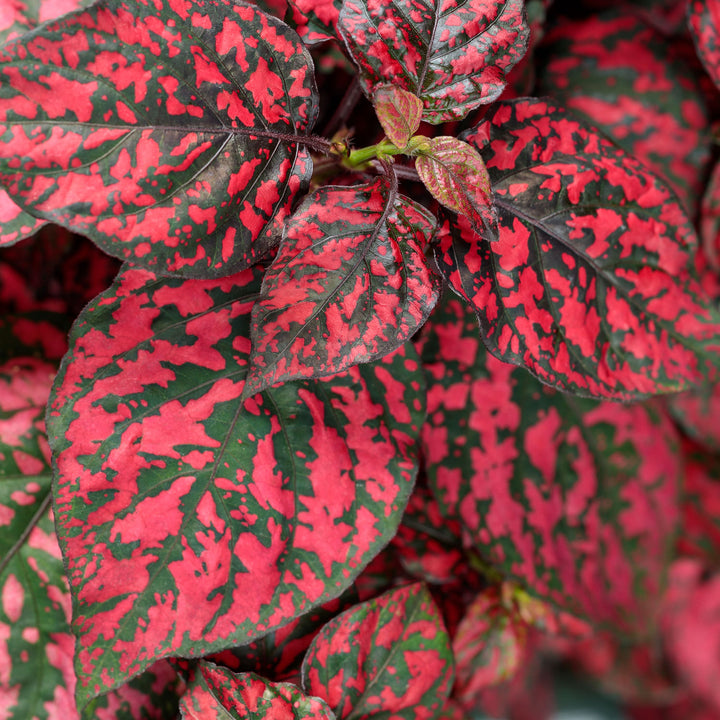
(629, 80)
(191, 521)
(429, 546)
(575, 500)
(590, 285)
(349, 284)
(697, 412)
(399, 113)
(15, 223)
(315, 20)
(215, 693)
(710, 219)
(489, 647)
(455, 175)
(279, 654)
(19, 16)
(453, 58)
(168, 134)
(704, 23)
(38, 334)
(691, 632)
(700, 534)
(387, 657)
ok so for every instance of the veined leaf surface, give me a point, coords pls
(215, 693)
(399, 113)
(20, 16)
(575, 500)
(349, 284)
(452, 56)
(315, 20)
(627, 78)
(191, 521)
(165, 132)
(590, 284)
(387, 657)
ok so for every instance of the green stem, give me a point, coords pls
(361, 156)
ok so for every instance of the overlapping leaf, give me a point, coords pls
(279, 654)
(191, 521)
(315, 20)
(628, 79)
(428, 545)
(704, 23)
(590, 285)
(166, 133)
(710, 219)
(349, 284)
(215, 693)
(573, 499)
(453, 57)
(698, 413)
(387, 657)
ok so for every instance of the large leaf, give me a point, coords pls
(167, 133)
(453, 57)
(191, 521)
(590, 285)
(349, 284)
(315, 20)
(386, 658)
(704, 23)
(626, 77)
(215, 693)
(573, 499)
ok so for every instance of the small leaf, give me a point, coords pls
(215, 693)
(704, 23)
(575, 500)
(15, 223)
(590, 285)
(191, 521)
(399, 113)
(388, 657)
(488, 646)
(456, 176)
(170, 133)
(349, 284)
(453, 58)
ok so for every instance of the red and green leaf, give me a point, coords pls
(350, 283)
(590, 285)
(15, 223)
(388, 657)
(575, 500)
(455, 175)
(399, 113)
(428, 545)
(192, 521)
(710, 219)
(697, 412)
(171, 134)
(628, 79)
(489, 646)
(19, 16)
(453, 58)
(279, 654)
(315, 20)
(704, 23)
(216, 693)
